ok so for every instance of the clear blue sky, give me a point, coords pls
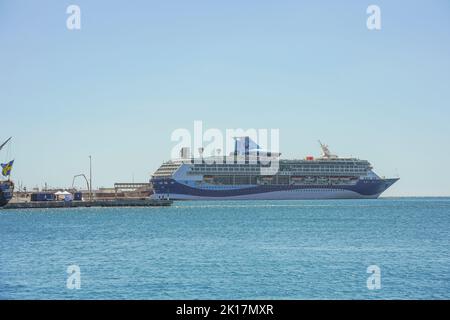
(137, 70)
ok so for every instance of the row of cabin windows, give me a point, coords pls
(358, 170)
(293, 168)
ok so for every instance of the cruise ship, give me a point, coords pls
(251, 173)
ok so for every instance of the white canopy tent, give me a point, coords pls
(64, 195)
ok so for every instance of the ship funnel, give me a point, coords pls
(243, 145)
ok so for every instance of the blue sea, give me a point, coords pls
(230, 250)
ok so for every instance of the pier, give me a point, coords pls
(89, 204)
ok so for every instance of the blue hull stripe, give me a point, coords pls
(362, 187)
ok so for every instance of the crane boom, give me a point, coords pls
(4, 143)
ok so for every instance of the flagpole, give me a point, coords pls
(90, 177)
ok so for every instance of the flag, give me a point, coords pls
(6, 168)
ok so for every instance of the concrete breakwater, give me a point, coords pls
(87, 204)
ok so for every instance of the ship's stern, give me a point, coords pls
(6, 192)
